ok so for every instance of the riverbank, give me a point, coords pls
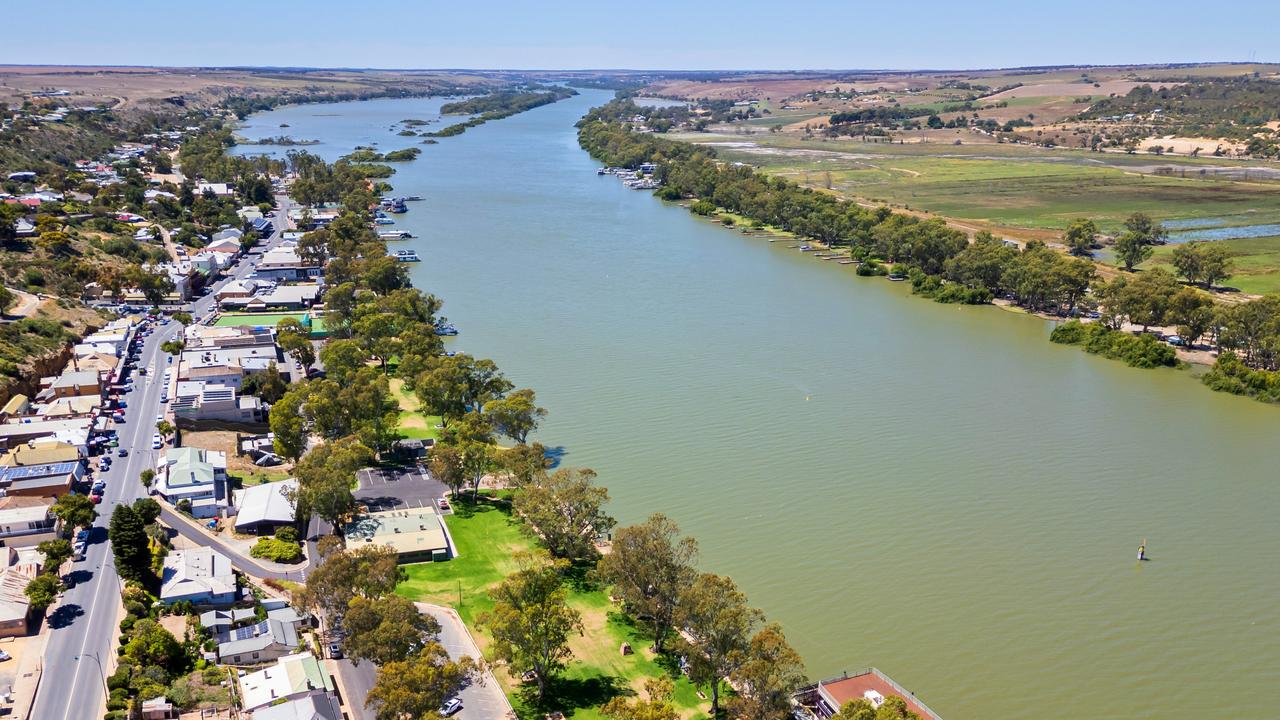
(941, 452)
(944, 263)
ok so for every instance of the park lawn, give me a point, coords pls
(487, 538)
(1257, 263)
(413, 422)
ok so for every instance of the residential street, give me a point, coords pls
(83, 624)
(482, 700)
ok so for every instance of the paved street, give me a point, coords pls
(189, 529)
(481, 700)
(83, 626)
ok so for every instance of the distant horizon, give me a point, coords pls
(661, 36)
(640, 70)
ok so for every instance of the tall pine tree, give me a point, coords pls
(129, 543)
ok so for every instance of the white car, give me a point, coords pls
(156, 442)
(451, 707)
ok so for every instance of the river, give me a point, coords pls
(934, 490)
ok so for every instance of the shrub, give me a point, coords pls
(276, 551)
(871, 268)
(703, 207)
(1141, 351)
(1071, 332)
(287, 533)
(1230, 374)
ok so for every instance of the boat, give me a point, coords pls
(395, 234)
(412, 198)
(444, 328)
(406, 256)
(383, 221)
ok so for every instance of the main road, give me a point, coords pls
(83, 627)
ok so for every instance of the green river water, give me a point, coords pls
(934, 490)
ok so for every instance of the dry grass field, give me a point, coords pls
(133, 86)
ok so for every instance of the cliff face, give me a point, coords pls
(28, 383)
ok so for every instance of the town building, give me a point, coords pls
(18, 567)
(416, 534)
(284, 263)
(74, 432)
(257, 643)
(40, 452)
(263, 508)
(27, 521)
(312, 707)
(50, 480)
(196, 475)
(293, 677)
(202, 576)
(825, 699)
(215, 402)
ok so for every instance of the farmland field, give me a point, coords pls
(1020, 191)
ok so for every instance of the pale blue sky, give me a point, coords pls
(647, 34)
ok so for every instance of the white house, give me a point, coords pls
(201, 575)
(292, 677)
(196, 475)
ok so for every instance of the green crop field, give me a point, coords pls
(1012, 187)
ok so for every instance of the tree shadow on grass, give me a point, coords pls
(581, 576)
(569, 694)
(465, 508)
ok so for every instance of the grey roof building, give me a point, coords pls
(261, 642)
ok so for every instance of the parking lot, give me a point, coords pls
(391, 488)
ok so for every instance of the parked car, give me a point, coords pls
(95, 499)
(451, 707)
(335, 650)
(156, 442)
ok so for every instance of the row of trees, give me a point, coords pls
(944, 264)
(356, 590)
(701, 617)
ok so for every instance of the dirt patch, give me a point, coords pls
(240, 466)
(175, 624)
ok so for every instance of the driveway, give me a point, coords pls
(481, 700)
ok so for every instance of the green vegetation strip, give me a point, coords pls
(487, 539)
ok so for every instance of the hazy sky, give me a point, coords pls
(647, 34)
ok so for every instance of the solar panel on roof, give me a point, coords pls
(252, 631)
(35, 471)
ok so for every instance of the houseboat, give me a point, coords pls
(395, 234)
(406, 256)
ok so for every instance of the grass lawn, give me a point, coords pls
(413, 423)
(1257, 263)
(269, 320)
(487, 538)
